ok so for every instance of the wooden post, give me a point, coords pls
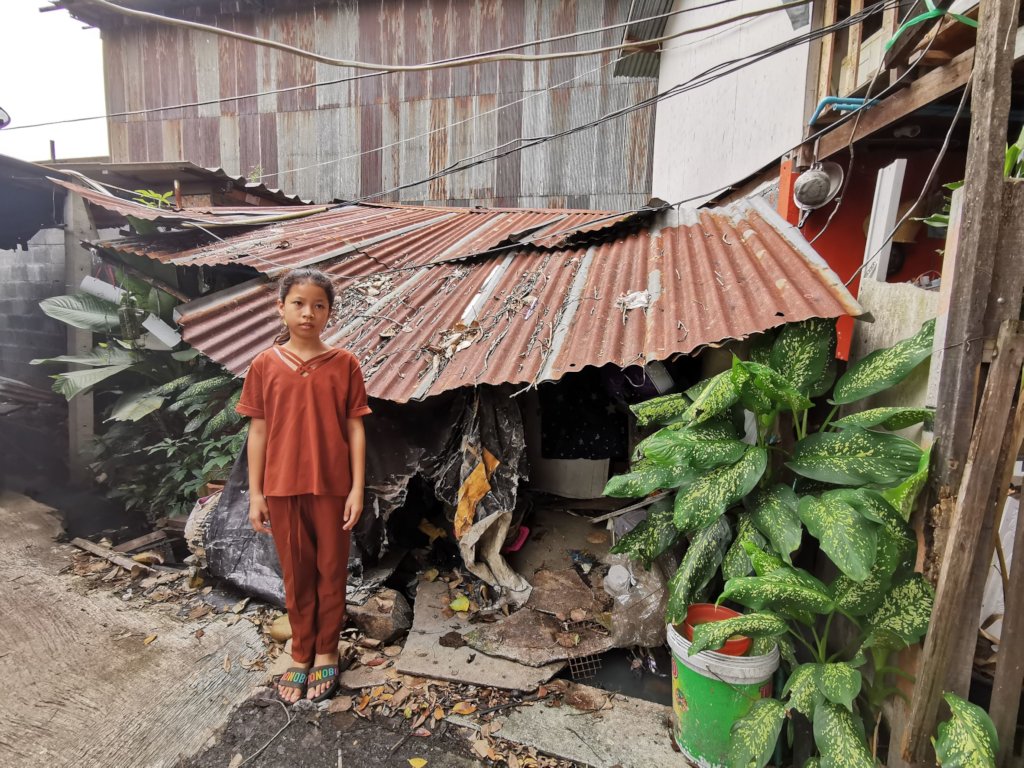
(973, 506)
(78, 226)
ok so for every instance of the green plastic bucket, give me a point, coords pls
(711, 691)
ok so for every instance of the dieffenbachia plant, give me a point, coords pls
(745, 508)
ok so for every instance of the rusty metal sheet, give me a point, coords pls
(681, 282)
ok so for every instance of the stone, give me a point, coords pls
(383, 617)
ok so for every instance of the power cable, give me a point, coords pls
(340, 80)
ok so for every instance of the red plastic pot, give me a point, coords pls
(705, 613)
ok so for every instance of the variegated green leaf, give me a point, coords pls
(660, 410)
(814, 762)
(761, 561)
(764, 390)
(802, 690)
(856, 456)
(839, 736)
(680, 447)
(647, 477)
(774, 513)
(713, 635)
(754, 735)
(839, 683)
(654, 535)
(803, 353)
(711, 494)
(762, 646)
(902, 618)
(895, 558)
(700, 563)
(968, 739)
(737, 561)
(760, 350)
(716, 397)
(903, 496)
(887, 418)
(785, 589)
(845, 535)
(885, 367)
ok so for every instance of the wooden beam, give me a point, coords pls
(127, 563)
(972, 507)
(828, 47)
(923, 91)
(908, 41)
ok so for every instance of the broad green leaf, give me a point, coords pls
(887, 418)
(774, 513)
(754, 735)
(894, 559)
(711, 494)
(760, 350)
(737, 561)
(762, 646)
(132, 406)
(714, 429)
(968, 739)
(849, 539)
(856, 456)
(762, 562)
(784, 589)
(654, 535)
(884, 368)
(645, 478)
(76, 382)
(84, 311)
(902, 618)
(763, 390)
(804, 352)
(713, 635)
(660, 410)
(716, 397)
(700, 563)
(99, 357)
(802, 690)
(680, 447)
(839, 683)
(839, 736)
(903, 496)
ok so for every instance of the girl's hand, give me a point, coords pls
(259, 513)
(353, 510)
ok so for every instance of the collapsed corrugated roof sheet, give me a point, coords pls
(421, 326)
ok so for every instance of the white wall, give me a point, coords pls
(722, 132)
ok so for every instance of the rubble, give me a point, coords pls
(384, 617)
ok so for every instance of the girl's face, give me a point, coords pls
(305, 311)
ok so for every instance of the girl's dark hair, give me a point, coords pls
(298, 277)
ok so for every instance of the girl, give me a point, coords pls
(307, 458)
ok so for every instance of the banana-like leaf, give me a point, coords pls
(132, 406)
(711, 494)
(764, 391)
(647, 477)
(713, 635)
(846, 536)
(804, 353)
(774, 513)
(785, 589)
(737, 561)
(968, 739)
(754, 735)
(99, 357)
(75, 383)
(660, 410)
(902, 618)
(856, 456)
(654, 535)
(903, 496)
(839, 736)
(887, 418)
(84, 311)
(699, 565)
(884, 368)
(716, 396)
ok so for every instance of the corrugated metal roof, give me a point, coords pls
(691, 279)
(644, 63)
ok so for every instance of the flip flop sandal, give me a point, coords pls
(328, 673)
(295, 677)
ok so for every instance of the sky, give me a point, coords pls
(53, 70)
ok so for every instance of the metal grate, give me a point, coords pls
(584, 666)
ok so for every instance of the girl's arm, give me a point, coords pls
(259, 513)
(357, 464)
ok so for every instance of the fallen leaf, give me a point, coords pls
(452, 640)
(422, 733)
(513, 762)
(340, 704)
(376, 662)
(236, 761)
(149, 558)
(459, 604)
(430, 574)
(438, 713)
(578, 614)
(464, 708)
(199, 611)
(597, 537)
(199, 633)
(447, 612)
(482, 748)
(420, 720)
(417, 762)
(227, 662)
(400, 696)
(393, 650)
(431, 531)
(207, 590)
(363, 702)
(149, 640)
(240, 605)
(567, 639)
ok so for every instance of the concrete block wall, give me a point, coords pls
(27, 277)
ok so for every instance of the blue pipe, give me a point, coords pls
(840, 104)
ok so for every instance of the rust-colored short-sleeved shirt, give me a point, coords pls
(306, 412)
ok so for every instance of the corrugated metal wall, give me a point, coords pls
(296, 138)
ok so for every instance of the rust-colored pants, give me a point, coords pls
(313, 550)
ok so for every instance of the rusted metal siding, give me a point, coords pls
(421, 328)
(472, 109)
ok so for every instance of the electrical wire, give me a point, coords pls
(338, 81)
(461, 62)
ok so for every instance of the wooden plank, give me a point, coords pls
(972, 508)
(1008, 269)
(108, 554)
(142, 542)
(908, 41)
(856, 35)
(828, 47)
